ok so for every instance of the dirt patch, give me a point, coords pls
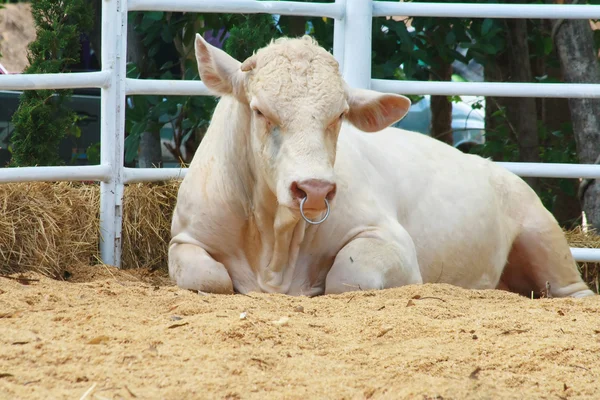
(17, 30)
(131, 334)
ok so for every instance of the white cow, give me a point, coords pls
(403, 208)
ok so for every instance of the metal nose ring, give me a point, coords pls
(306, 218)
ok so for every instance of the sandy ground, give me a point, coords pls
(110, 334)
(17, 30)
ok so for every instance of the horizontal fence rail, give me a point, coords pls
(352, 46)
(585, 255)
(100, 173)
(553, 170)
(330, 10)
(470, 10)
(165, 87)
(172, 87)
(500, 89)
(55, 81)
(523, 169)
(135, 175)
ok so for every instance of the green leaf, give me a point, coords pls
(488, 48)
(93, 153)
(133, 70)
(187, 124)
(406, 42)
(153, 51)
(76, 131)
(187, 136)
(154, 15)
(567, 186)
(166, 35)
(137, 129)
(146, 23)
(486, 26)
(166, 133)
(450, 38)
(132, 144)
(167, 65)
(548, 45)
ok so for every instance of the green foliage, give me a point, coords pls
(249, 33)
(93, 153)
(180, 117)
(42, 119)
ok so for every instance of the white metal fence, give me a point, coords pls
(352, 48)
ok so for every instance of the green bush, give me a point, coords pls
(42, 119)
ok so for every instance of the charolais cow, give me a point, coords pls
(300, 186)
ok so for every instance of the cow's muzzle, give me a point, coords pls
(312, 194)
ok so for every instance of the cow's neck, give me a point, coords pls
(271, 234)
(281, 233)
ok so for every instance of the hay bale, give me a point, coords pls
(46, 227)
(580, 238)
(147, 213)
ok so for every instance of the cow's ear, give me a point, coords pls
(372, 111)
(219, 71)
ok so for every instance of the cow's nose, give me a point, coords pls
(315, 191)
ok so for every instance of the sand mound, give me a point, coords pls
(130, 334)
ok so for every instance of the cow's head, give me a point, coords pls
(297, 100)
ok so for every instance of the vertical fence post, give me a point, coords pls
(112, 117)
(357, 43)
(339, 31)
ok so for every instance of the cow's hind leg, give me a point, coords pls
(374, 261)
(541, 254)
(191, 267)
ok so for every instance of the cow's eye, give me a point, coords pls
(258, 113)
(335, 122)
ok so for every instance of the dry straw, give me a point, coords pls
(147, 211)
(47, 227)
(589, 271)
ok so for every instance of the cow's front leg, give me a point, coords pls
(376, 261)
(191, 267)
